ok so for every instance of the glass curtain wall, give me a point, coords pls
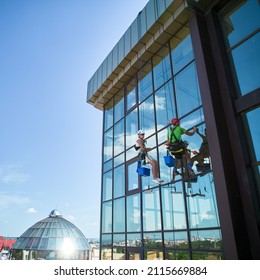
(141, 219)
(241, 21)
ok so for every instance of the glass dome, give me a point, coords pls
(52, 238)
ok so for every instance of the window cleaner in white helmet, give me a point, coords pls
(143, 155)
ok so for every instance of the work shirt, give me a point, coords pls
(178, 131)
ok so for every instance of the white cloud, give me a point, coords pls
(11, 173)
(7, 200)
(31, 210)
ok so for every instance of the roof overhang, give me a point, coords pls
(172, 22)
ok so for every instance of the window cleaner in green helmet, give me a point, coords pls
(148, 159)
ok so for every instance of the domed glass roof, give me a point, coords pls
(52, 233)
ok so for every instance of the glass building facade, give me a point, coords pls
(198, 61)
(53, 238)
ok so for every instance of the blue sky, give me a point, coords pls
(50, 144)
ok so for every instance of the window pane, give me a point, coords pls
(118, 240)
(119, 159)
(247, 64)
(176, 255)
(241, 27)
(44, 243)
(145, 86)
(119, 253)
(108, 115)
(36, 243)
(147, 122)
(131, 128)
(206, 239)
(106, 254)
(119, 181)
(131, 95)
(106, 240)
(202, 205)
(146, 180)
(132, 177)
(119, 215)
(165, 171)
(151, 142)
(107, 217)
(131, 153)
(119, 105)
(173, 207)
(207, 256)
(108, 144)
(151, 211)
(46, 232)
(153, 255)
(187, 90)
(162, 136)
(161, 67)
(182, 52)
(242, 21)
(165, 105)
(152, 239)
(119, 137)
(134, 240)
(107, 186)
(107, 166)
(52, 244)
(253, 118)
(192, 120)
(178, 240)
(29, 243)
(133, 213)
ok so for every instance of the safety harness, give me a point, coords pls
(176, 147)
(141, 154)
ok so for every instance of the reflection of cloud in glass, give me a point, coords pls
(160, 103)
(108, 151)
(190, 122)
(146, 107)
(206, 216)
(119, 142)
(136, 216)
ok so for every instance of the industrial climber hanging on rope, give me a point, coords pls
(143, 155)
(178, 148)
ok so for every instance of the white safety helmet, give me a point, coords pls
(140, 132)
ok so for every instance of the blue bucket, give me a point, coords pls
(169, 161)
(142, 171)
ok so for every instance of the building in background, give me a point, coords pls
(6, 244)
(199, 61)
(53, 238)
